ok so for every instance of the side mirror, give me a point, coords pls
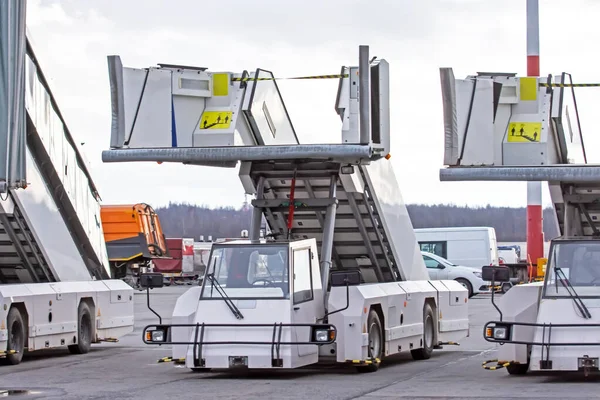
(151, 280)
(441, 266)
(495, 273)
(343, 278)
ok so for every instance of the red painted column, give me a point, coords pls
(535, 231)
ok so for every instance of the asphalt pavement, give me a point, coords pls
(129, 370)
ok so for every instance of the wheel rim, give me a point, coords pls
(374, 340)
(464, 285)
(428, 332)
(15, 336)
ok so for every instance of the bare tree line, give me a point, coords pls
(186, 220)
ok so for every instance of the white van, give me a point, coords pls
(468, 246)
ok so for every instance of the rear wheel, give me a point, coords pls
(84, 330)
(428, 335)
(466, 284)
(375, 343)
(16, 336)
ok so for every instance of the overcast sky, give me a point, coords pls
(73, 37)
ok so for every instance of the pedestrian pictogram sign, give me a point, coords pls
(215, 120)
(524, 132)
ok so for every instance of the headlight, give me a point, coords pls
(500, 332)
(322, 335)
(477, 274)
(155, 336)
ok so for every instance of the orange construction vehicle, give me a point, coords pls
(133, 237)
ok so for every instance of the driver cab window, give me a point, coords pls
(430, 262)
(303, 288)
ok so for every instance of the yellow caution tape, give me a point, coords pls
(4, 353)
(170, 359)
(564, 85)
(365, 362)
(337, 76)
(499, 364)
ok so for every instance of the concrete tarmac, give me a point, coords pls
(129, 370)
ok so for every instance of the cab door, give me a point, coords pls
(305, 307)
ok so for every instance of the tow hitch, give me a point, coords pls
(587, 364)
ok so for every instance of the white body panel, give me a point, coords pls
(519, 304)
(48, 226)
(564, 311)
(396, 221)
(468, 246)
(402, 306)
(401, 303)
(52, 311)
(509, 256)
(63, 155)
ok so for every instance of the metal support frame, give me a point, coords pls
(254, 233)
(319, 214)
(327, 245)
(365, 236)
(364, 92)
(589, 220)
(21, 252)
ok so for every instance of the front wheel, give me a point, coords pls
(517, 369)
(16, 336)
(375, 343)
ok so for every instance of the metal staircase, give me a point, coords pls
(359, 239)
(21, 259)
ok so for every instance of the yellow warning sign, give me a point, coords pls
(215, 120)
(524, 132)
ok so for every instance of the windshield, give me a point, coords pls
(248, 272)
(579, 262)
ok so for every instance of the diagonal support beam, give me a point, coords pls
(321, 220)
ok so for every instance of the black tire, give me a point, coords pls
(506, 286)
(84, 330)
(16, 336)
(425, 352)
(376, 343)
(517, 369)
(466, 284)
(199, 370)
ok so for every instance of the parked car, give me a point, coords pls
(441, 269)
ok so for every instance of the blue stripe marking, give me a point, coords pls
(173, 126)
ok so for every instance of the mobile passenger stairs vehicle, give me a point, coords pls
(343, 280)
(55, 284)
(518, 129)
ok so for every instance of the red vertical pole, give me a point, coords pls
(535, 232)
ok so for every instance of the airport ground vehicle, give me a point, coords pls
(520, 129)
(511, 254)
(441, 269)
(55, 286)
(180, 266)
(340, 277)
(468, 246)
(133, 237)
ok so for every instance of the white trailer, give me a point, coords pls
(55, 286)
(340, 277)
(514, 128)
(468, 246)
